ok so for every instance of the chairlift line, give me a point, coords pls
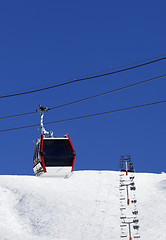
(82, 79)
(88, 98)
(86, 116)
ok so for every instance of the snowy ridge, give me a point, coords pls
(83, 207)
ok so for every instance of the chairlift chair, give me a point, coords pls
(136, 227)
(126, 164)
(123, 235)
(137, 236)
(53, 156)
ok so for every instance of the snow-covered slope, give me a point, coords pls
(83, 207)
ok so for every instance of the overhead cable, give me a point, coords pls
(86, 116)
(88, 98)
(87, 75)
(109, 92)
(82, 79)
(18, 115)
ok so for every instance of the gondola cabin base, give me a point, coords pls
(54, 157)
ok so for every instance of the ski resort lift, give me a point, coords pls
(136, 227)
(126, 164)
(135, 220)
(135, 212)
(137, 236)
(124, 235)
(132, 178)
(53, 156)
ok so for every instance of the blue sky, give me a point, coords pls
(48, 42)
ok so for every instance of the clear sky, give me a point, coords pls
(48, 42)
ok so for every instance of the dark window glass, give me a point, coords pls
(57, 152)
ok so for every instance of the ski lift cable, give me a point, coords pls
(82, 79)
(85, 75)
(18, 115)
(86, 116)
(88, 98)
(125, 65)
(109, 92)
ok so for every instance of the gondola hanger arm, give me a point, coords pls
(43, 130)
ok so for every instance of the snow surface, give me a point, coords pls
(83, 207)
